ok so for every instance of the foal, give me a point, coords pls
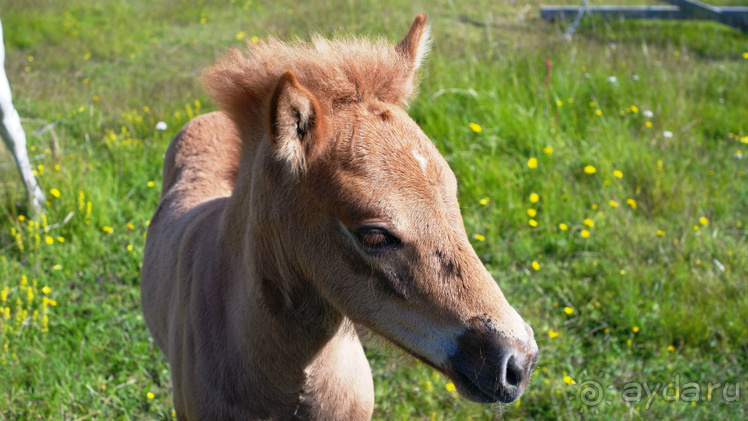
(310, 203)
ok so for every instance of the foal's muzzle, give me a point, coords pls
(489, 366)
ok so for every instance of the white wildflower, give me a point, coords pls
(160, 125)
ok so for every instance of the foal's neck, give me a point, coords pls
(291, 339)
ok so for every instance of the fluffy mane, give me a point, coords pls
(337, 72)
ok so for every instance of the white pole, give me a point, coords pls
(14, 137)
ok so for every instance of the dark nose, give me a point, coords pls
(514, 372)
(489, 366)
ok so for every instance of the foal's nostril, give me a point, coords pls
(513, 373)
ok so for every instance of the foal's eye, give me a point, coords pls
(376, 239)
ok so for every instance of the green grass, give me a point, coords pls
(648, 309)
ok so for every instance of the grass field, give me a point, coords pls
(602, 182)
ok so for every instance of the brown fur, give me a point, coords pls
(315, 202)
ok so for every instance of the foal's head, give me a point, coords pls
(359, 204)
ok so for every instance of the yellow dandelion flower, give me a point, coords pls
(479, 237)
(594, 206)
(670, 348)
(548, 150)
(553, 334)
(533, 223)
(49, 240)
(150, 184)
(57, 267)
(568, 380)
(54, 192)
(613, 204)
(534, 198)
(148, 222)
(46, 290)
(531, 213)
(648, 124)
(535, 265)
(532, 163)
(590, 223)
(632, 203)
(429, 386)
(107, 229)
(589, 169)
(240, 36)
(598, 112)
(21, 218)
(634, 109)
(703, 221)
(129, 247)
(696, 227)
(450, 387)
(255, 39)
(568, 310)
(60, 239)
(745, 55)
(617, 174)
(130, 226)
(592, 104)
(563, 227)
(635, 329)
(559, 103)
(150, 395)
(476, 127)
(606, 331)
(484, 201)
(584, 233)
(660, 233)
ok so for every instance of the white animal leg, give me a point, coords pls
(14, 137)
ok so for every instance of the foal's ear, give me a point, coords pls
(297, 124)
(416, 43)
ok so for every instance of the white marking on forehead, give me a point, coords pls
(421, 160)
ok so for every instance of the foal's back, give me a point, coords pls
(200, 169)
